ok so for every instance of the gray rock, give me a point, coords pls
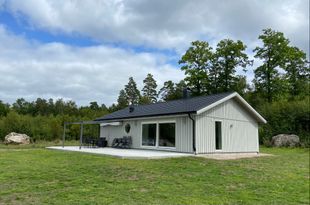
(285, 140)
(16, 138)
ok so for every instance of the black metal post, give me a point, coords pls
(64, 136)
(81, 135)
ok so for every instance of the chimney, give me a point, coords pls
(186, 93)
(131, 108)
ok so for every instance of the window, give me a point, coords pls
(127, 128)
(149, 134)
(166, 135)
(218, 135)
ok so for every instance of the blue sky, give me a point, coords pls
(86, 50)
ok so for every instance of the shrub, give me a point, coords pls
(288, 117)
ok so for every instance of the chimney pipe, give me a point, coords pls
(131, 108)
(186, 93)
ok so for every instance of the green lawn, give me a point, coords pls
(39, 176)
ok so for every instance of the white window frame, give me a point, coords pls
(157, 134)
(148, 123)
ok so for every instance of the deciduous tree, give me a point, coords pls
(196, 63)
(272, 53)
(297, 71)
(228, 56)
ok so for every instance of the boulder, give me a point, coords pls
(285, 140)
(16, 138)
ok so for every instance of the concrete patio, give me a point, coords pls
(124, 153)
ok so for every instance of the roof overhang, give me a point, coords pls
(83, 122)
(111, 124)
(181, 114)
(241, 100)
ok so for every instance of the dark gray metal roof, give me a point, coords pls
(175, 107)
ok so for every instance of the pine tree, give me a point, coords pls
(132, 92)
(122, 101)
(149, 89)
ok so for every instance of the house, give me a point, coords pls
(208, 124)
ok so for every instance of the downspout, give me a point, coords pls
(194, 132)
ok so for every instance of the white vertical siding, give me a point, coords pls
(184, 134)
(239, 129)
(183, 141)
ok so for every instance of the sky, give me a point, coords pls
(86, 50)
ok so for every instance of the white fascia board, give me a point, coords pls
(247, 105)
(251, 109)
(216, 103)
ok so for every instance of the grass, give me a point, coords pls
(39, 176)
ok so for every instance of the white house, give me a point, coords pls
(208, 124)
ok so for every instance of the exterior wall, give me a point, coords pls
(239, 129)
(183, 140)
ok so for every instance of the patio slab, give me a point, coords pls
(124, 153)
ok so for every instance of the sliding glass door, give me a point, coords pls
(158, 134)
(149, 134)
(166, 135)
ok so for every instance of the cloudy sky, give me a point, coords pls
(86, 50)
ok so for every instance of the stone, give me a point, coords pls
(285, 140)
(16, 138)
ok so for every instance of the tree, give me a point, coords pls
(122, 101)
(239, 85)
(172, 91)
(4, 109)
(297, 71)
(196, 63)
(94, 105)
(267, 78)
(132, 92)
(167, 91)
(41, 106)
(178, 90)
(22, 106)
(149, 89)
(228, 56)
(59, 106)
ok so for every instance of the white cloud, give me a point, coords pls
(55, 70)
(168, 24)
(32, 69)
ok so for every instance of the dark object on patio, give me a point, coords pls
(90, 142)
(116, 142)
(93, 142)
(124, 143)
(102, 142)
(86, 141)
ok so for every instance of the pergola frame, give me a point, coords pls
(81, 123)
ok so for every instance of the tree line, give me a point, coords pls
(279, 90)
(284, 72)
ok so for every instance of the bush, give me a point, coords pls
(46, 128)
(286, 117)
